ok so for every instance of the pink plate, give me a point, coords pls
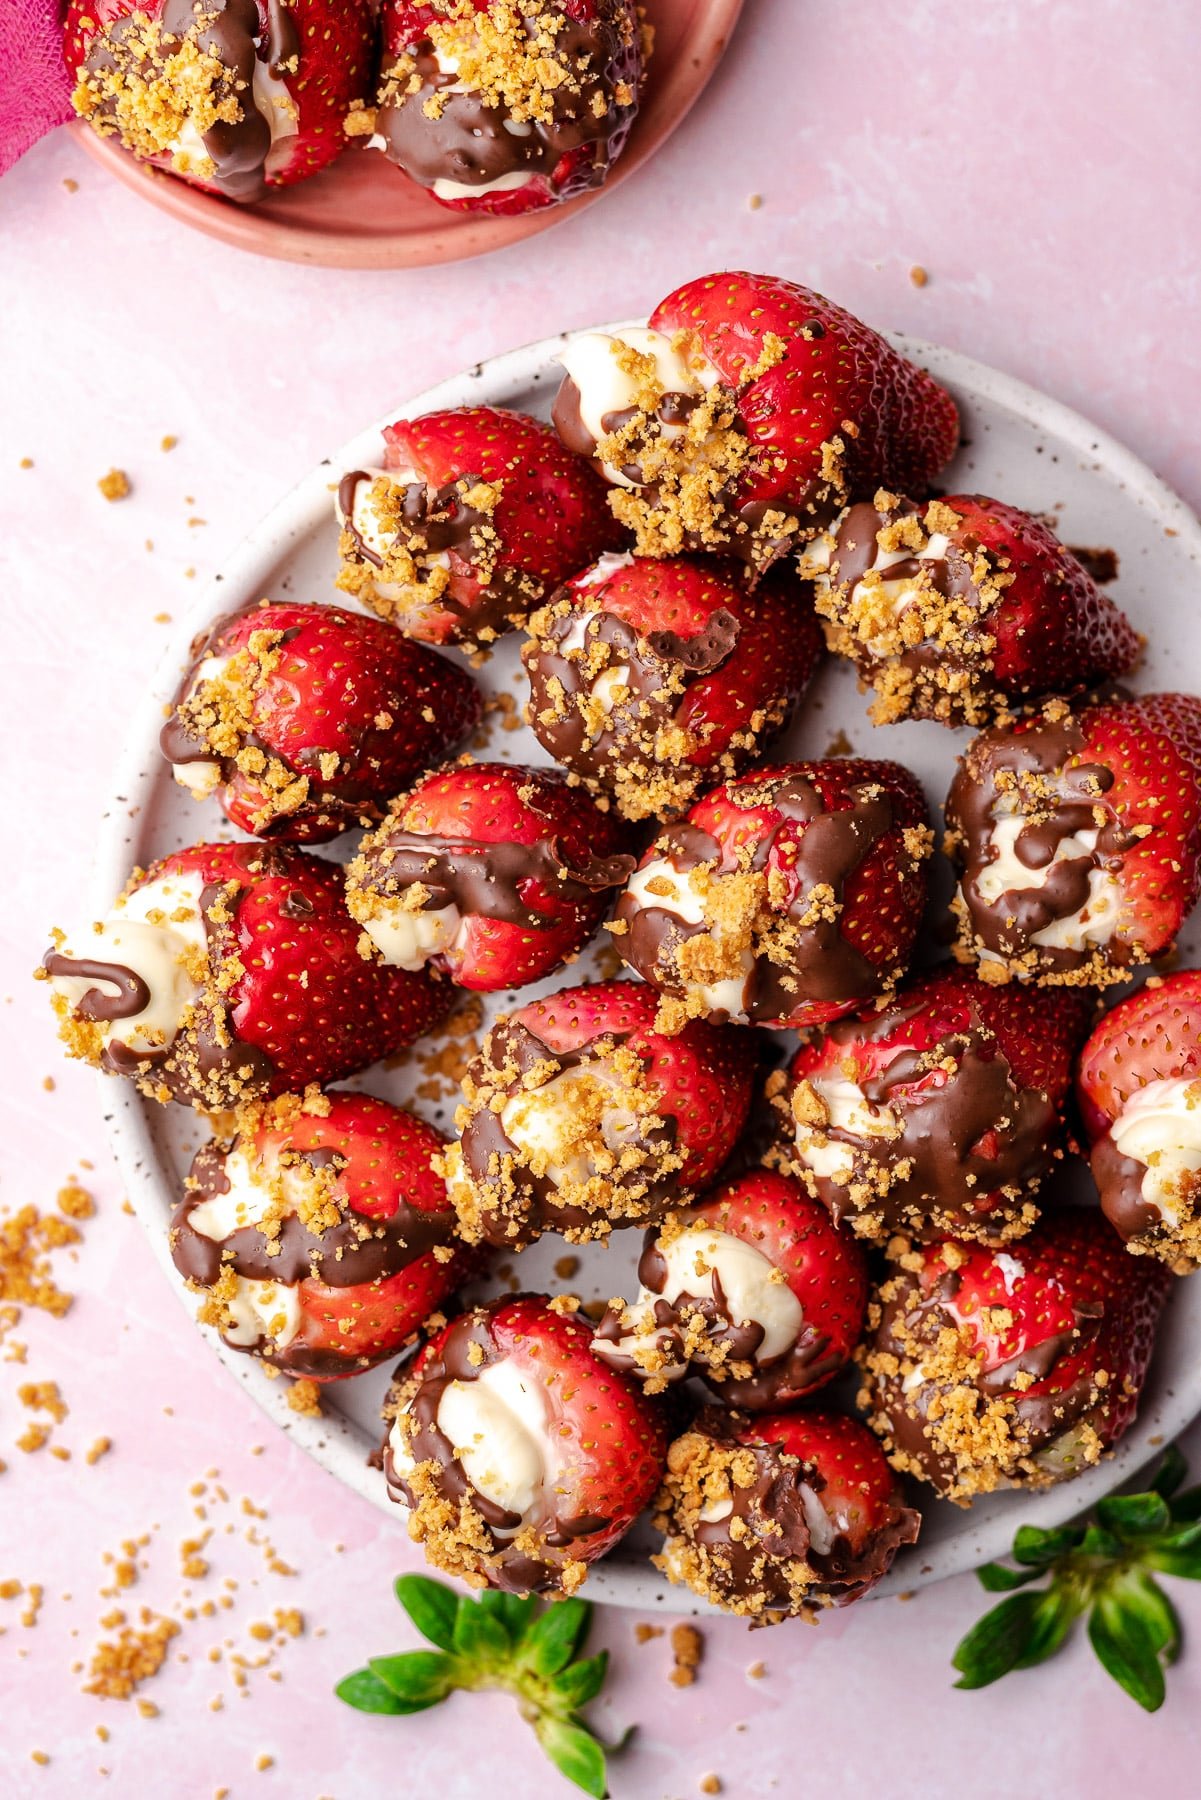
(364, 214)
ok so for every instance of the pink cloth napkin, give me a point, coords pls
(35, 89)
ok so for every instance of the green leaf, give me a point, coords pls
(998, 1642)
(480, 1635)
(1186, 1564)
(1142, 1597)
(581, 1682)
(513, 1610)
(1098, 1542)
(1127, 1651)
(575, 1753)
(1171, 1472)
(417, 1679)
(553, 1639)
(1134, 1516)
(997, 1579)
(1056, 1610)
(431, 1605)
(1036, 1548)
(367, 1693)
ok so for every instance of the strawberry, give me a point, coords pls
(1078, 839)
(990, 1367)
(229, 971)
(307, 719)
(1140, 1095)
(476, 515)
(513, 111)
(953, 609)
(776, 1514)
(579, 1116)
(746, 415)
(239, 96)
(649, 678)
(785, 898)
(492, 873)
(939, 1112)
(757, 1291)
(321, 1234)
(520, 1455)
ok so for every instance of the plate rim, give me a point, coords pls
(333, 1441)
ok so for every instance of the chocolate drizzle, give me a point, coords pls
(97, 1008)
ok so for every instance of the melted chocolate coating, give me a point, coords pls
(1119, 1182)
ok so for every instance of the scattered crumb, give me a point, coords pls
(162, 618)
(687, 1647)
(644, 1633)
(169, 442)
(918, 276)
(48, 1083)
(304, 1397)
(26, 462)
(566, 1267)
(757, 1671)
(71, 185)
(114, 485)
(755, 201)
(710, 1784)
(263, 1762)
(39, 1757)
(840, 745)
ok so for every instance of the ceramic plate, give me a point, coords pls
(364, 214)
(1018, 445)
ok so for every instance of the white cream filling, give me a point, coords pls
(156, 949)
(612, 685)
(685, 899)
(273, 101)
(367, 525)
(1096, 922)
(202, 776)
(849, 1109)
(591, 359)
(408, 940)
(261, 1309)
(604, 568)
(1011, 1270)
(543, 1124)
(897, 595)
(446, 189)
(1160, 1126)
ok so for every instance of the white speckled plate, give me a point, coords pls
(1019, 446)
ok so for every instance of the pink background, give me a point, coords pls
(1036, 159)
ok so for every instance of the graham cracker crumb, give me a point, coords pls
(918, 276)
(114, 485)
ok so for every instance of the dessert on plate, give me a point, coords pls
(306, 720)
(784, 898)
(579, 1116)
(517, 1453)
(652, 679)
(496, 107)
(475, 515)
(493, 873)
(238, 96)
(319, 1236)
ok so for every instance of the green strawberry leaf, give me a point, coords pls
(481, 1636)
(1171, 1472)
(553, 1639)
(514, 1611)
(997, 1579)
(1140, 1596)
(367, 1693)
(1166, 1560)
(1101, 1543)
(1036, 1548)
(1056, 1610)
(432, 1606)
(417, 1678)
(1132, 1517)
(575, 1753)
(1127, 1650)
(580, 1682)
(998, 1642)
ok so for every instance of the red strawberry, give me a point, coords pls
(325, 1214)
(650, 678)
(307, 719)
(990, 1367)
(1079, 839)
(239, 96)
(747, 414)
(954, 609)
(942, 1111)
(580, 1116)
(520, 1454)
(230, 971)
(492, 873)
(785, 898)
(1140, 1094)
(476, 515)
(757, 1291)
(532, 109)
(772, 1515)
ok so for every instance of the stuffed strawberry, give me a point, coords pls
(229, 971)
(1140, 1094)
(1078, 839)
(306, 720)
(784, 898)
(476, 514)
(745, 416)
(777, 1514)
(989, 1368)
(650, 679)
(757, 1291)
(239, 96)
(956, 608)
(493, 873)
(580, 1116)
(321, 1236)
(941, 1111)
(495, 107)
(519, 1455)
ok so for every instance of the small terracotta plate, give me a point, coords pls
(364, 214)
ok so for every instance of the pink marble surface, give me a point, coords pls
(1034, 158)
